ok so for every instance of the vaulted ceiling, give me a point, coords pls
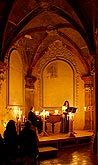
(32, 25)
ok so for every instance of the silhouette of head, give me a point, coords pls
(32, 108)
(11, 125)
(28, 124)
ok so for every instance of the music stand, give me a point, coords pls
(71, 111)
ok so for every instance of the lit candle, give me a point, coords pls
(47, 113)
(44, 113)
(84, 108)
(56, 111)
(70, 115)
(5, 124)
(23, 118)
(19, 114)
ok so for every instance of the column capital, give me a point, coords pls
(88, 81)
(30, 80)
(88, 78)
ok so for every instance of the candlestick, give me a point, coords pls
(71, 117)
(23, 118)
(19, 114)
(43, 114)
(56, 111)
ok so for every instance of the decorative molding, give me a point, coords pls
(88, 80)
(58, 51)
(3, 68)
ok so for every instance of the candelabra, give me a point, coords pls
(18, 115)
(43, 115)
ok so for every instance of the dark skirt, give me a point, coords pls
(64, 127)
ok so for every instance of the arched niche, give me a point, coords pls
(58, 83)
(15, 77)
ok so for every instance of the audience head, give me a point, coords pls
(11, 125)
(27, 124)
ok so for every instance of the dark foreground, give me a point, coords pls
(75, 156)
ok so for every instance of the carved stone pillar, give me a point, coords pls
(89, 114)
(29, 93)
(2, 70)
(95, 145)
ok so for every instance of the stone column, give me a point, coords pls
(95, 146)
(29, 93)
(3, 68)
(89, 113)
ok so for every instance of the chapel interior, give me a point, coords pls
(48, 54)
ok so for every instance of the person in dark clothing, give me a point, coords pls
(64, 127)
(32, 117)
(11, 140)
(28, 141)
(35, 120)
(2, 150)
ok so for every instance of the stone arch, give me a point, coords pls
(58, 51)
(15, 79)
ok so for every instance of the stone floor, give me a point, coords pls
(75, 156)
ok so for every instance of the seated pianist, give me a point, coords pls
(35, 120)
